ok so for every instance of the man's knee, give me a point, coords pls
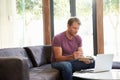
(66, 66)
(62, 65)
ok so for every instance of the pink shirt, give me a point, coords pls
(68, 46)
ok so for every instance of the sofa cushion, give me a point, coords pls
(47, 50)
(15, 52)
(116, 65)
(45, 72)
(36, 55)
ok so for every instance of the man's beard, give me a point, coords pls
(71, 34)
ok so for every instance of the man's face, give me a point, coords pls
(73, 29)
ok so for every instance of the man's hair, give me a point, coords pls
(73, 19)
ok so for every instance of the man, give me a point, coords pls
(67, 51)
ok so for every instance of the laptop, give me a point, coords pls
(103, 62)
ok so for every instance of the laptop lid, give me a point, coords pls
(103, 62)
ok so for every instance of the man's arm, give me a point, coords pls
(80, 51)
(82, 58)
(59, 56)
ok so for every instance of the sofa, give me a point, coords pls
(30, 63)
(27, 63)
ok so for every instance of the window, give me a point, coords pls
(29, 14)
(61, 15)
(112, 27)
(84, 12)
(21, 23)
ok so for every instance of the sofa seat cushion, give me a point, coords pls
(45, 72)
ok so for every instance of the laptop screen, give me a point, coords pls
(103, 62)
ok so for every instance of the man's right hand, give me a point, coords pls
(77, 55)
(86, 60)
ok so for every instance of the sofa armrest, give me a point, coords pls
(13, 69)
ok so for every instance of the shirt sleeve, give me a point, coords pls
(56, 41)
(79, 40)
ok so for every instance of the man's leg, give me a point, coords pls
(78, 65)
(65, 68)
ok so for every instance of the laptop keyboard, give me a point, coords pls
(86, 71)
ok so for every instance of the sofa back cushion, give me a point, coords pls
(15, 52)
(47, 50)
(39, 55)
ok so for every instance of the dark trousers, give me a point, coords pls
(68, 67)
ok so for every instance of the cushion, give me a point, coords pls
(45, 72)
(36, 55)
(47, 50)
(116, 65)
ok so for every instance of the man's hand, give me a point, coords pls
(86, 60)
(77, 54)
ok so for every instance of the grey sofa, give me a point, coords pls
(27, 63)
(30, 63)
